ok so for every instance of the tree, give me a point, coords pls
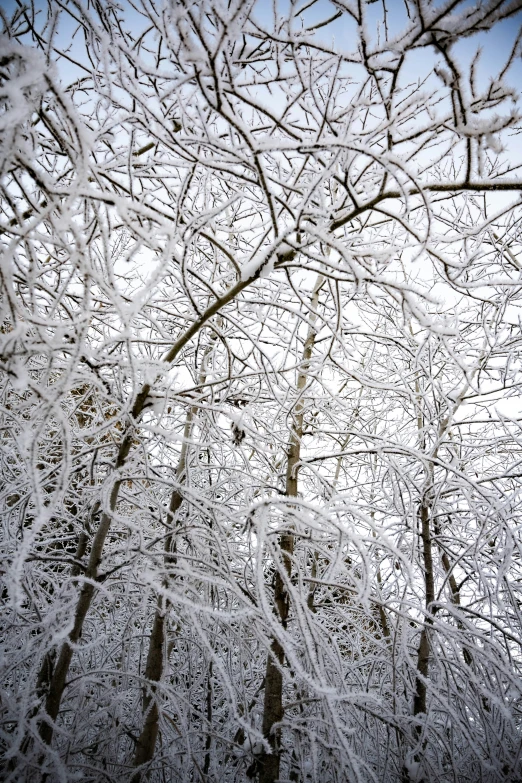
(259, 304)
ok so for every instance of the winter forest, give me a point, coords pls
(261, 391)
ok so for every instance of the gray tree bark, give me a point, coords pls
(59, 677)
(270, 762)
(154, 667)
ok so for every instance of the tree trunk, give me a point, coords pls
(146, 743)
(423, 653)
(58, 681)
(270, 762)
(423, 650)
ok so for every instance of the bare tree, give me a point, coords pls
(260, 283)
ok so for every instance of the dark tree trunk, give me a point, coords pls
(269, 762)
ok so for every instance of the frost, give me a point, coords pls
(22, 83)
(260, 266)
(261, 383)
(414, 769)
(18, 376)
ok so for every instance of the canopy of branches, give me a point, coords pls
(260, 391)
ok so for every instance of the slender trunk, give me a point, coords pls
(270, 762)
(426, 511)
(45, 673)
(423, 653)
(146, 743)
(61, 670)
(153, 671)
(423, 650)
(455, 594)
(455, 600)
(313, 586)
(208, 741)
(383, 619)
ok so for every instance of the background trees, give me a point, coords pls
(259, 311)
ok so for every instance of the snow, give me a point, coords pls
(327, 469)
